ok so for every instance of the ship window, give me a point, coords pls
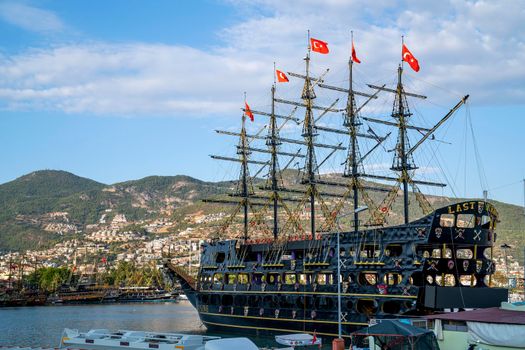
(370, 251)
(391, 307)
(290, 278)
(367, 278)
(217, 278)
(465, 221)
(393, 250)
(215, 299)
(342, 252)
(243, 278)
(227, 299)
(392, 278)
(366, 306)
(324, 278)
(430, 279)
(274, 277)
(220, 257)
(448, 281)
(231, 278)
(485, 221)
(258, 278)
(240, 300)
(436, 253)
(487, 253)
(464, 254)
(303, 279)
(446, 220)
(467, 280)
(254, 300)
(448, 253)
(417, 279)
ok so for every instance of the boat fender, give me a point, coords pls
(313, 314)
(261, 311)
(276, 313)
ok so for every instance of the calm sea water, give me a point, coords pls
(43, 326)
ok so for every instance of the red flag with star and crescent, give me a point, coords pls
(281, 77)
(248, 111)
(410, 59)
(319, 46)
(354, 55)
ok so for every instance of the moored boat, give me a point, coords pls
(125, 339)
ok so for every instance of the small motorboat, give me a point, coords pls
(124, 339)
(300, 339)
(182, 296)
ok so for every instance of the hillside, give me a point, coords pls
(48, 206)
(39, 208)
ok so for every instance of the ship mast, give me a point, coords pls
(308, 133)
(273, 143)
(352, 123)
(243, 153)
(402, 162)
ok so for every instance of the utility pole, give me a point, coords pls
(505, 248)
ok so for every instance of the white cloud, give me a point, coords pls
(467, 47)
(30, 18)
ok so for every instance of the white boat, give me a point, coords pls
(300, 339)
(182, 297)
(231, 344)
(123, 339)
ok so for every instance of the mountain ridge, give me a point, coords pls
(34, 202)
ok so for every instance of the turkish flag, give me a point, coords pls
(354, 56)
(408, 57)
(319, 46)
(248, 111)
(281, 77)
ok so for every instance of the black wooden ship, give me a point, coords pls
(287, 280)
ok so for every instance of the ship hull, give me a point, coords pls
(268, 325)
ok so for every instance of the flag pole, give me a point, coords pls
(274, 73)
(309, 48)
(402, 44)
(351, 58)
(244, 114)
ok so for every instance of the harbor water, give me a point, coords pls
(43, 326)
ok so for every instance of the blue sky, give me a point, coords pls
(119, 90)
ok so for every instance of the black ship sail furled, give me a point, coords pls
(278, 275)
